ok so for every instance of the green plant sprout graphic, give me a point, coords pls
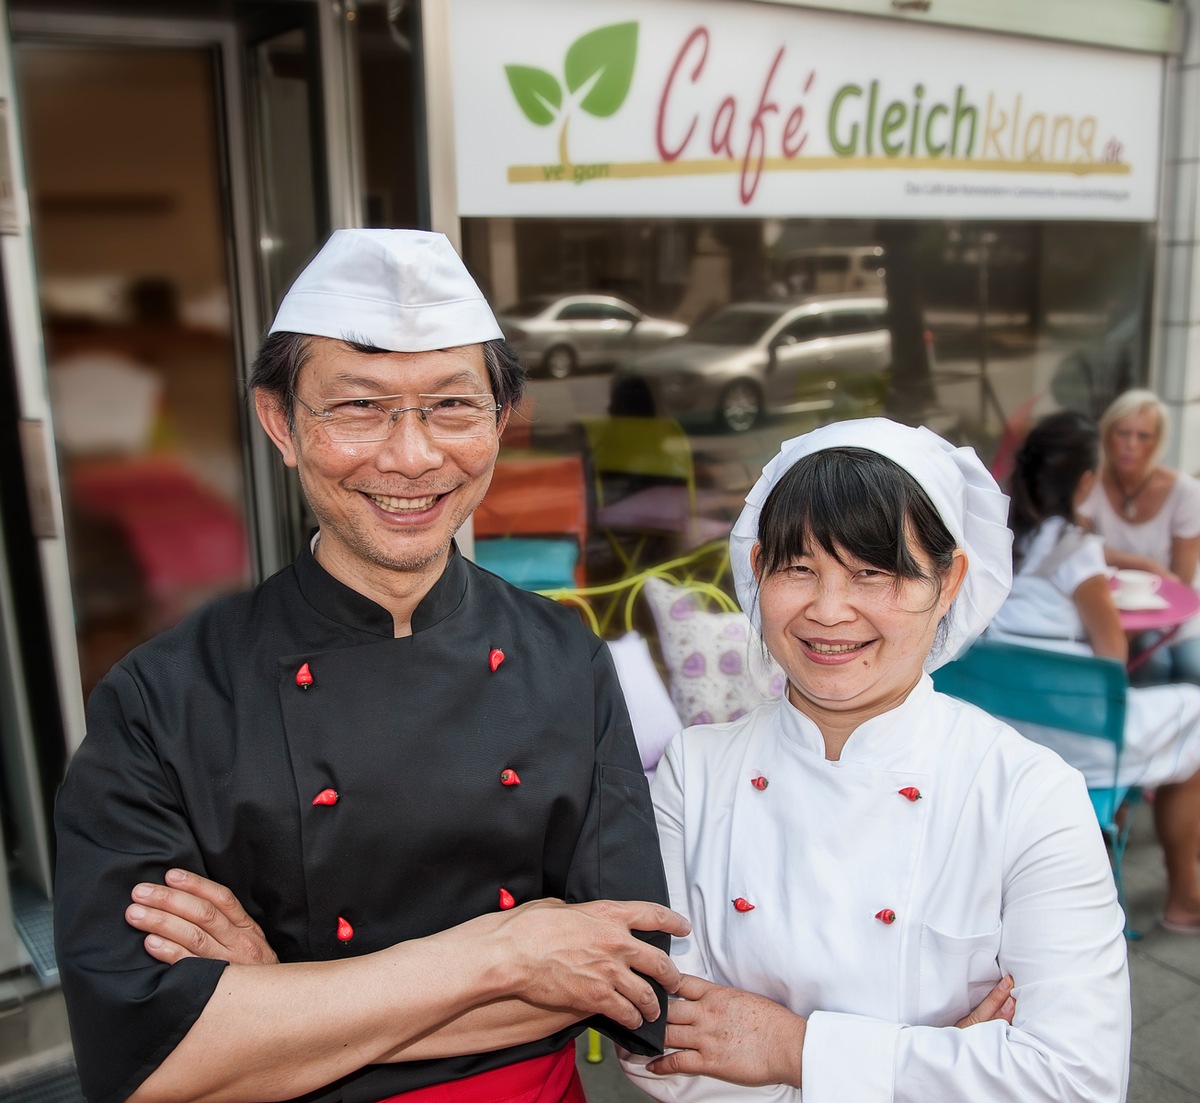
(598, 70)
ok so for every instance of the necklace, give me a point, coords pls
(1129, 501)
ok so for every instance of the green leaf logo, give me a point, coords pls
(537, 93)
(606, 54)
(598, 69)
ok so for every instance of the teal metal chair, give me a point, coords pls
(533, 563)
(1076, 693)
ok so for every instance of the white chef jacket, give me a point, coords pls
(998, 868)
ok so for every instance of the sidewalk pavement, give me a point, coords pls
(1165, 973)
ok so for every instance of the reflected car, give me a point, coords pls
(752, 358)
(558, 335)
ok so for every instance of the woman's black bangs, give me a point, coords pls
(844, 501)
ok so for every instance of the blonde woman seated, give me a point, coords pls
(1148, 515)
(864, 860)
(1061, 600)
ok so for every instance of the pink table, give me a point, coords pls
(1183, 603)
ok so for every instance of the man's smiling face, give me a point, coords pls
(394, 504)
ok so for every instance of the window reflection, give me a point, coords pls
(781, 325)
(129, 237)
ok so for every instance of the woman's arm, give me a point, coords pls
(1185, 554)
(1101, 621)
(1062, 937)
(1122, 561)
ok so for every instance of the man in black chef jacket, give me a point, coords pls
(395, 761)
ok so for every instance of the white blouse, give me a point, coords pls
(998, 867)
(1057, 557)
(1179, 518)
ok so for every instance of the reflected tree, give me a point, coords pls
(912, 392)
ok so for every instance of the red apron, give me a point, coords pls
(550, 1079)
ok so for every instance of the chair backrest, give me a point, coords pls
(610, 609)
(1077, 693)
(656, 447)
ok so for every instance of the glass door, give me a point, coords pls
(157, 242)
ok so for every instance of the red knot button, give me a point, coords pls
(344, 931)
(886, 916)
(326, 796)
(743, 905)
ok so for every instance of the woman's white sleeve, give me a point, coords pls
(1062, 940)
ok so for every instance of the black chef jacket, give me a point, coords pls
(204, 752)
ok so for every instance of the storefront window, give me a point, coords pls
(725, 337)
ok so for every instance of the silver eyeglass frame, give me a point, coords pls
(395, 412)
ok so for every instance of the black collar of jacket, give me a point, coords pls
(339, 602)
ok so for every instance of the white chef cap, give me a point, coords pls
(400, 290)
(966, 497)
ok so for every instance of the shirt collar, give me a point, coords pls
(334, 599)
(874, 741)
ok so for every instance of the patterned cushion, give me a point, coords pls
(716, 666)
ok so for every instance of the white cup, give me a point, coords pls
(1134, 586)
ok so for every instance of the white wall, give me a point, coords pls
(1176, 365)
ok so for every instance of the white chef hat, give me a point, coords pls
(966, 497)
(400, 290)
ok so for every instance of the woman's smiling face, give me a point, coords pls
(851, 637)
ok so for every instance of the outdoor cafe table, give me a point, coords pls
(1181, 604)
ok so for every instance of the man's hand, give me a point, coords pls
(191, 916)
(581, 958)
(732, 1035)
(584, 957)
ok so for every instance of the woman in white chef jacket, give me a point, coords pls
(875, 872)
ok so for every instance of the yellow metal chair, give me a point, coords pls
(653, 457)
(610, 608)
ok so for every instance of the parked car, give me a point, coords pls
(826, 269)
(560, 334)
(749, 358)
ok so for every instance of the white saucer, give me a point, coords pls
(1135, 604)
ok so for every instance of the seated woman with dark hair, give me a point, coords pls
(894, 897)
(1061, 601)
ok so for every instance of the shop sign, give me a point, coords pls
(719, 108)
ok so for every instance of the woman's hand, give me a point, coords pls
(997, 1004)
(732, 1035)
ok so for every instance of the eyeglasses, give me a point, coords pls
(447, 416)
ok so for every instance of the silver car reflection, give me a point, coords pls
(560, 334)
(750, 358)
